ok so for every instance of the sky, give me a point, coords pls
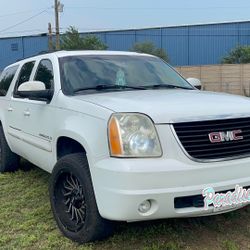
(26, 17)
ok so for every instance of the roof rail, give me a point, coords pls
(38, 54)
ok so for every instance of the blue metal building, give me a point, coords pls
(186, 45)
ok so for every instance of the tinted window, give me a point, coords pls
(6, 79)
(79, 72)
(25, 73)
(45, 73)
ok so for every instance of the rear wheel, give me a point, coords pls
(9, 161)
(73, 201)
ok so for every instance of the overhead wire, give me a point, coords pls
(24, 21)
(19, 13)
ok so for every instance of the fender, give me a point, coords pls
(89, 131)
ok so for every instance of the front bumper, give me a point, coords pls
(121, 185)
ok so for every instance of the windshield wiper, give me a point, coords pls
(109, 86)
(156, 86)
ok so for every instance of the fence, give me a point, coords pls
(229, 78)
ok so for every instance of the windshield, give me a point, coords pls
(88, 73)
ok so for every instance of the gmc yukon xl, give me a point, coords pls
(124, 136)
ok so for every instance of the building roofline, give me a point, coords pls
(164, 26)
(136, 29)
(35, 35)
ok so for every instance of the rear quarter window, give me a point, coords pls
(6, 79)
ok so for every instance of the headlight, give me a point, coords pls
(133, 135)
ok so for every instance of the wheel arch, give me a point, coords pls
(68, 145)
(93, 140)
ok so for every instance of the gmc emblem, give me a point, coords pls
(234, 135)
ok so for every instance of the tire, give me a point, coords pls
(9, 161)
(73, 201)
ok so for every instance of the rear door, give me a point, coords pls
(6, 78)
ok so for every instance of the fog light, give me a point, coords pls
(144, 207)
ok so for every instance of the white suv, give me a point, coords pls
(125, 137)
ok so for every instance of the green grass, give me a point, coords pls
(26, 222)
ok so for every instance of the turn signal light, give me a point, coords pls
(114, 138)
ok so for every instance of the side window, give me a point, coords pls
(6, 79)
(25, 73)
(45, 74)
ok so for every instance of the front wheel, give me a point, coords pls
(73, 201)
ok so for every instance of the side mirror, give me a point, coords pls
(32, 86)
(195, 82)
(34, 90)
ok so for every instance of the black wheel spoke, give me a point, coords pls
(73, 182)
(69, 182)
(81, 211)
(79, 214)
(69, 208)
(67, 201)
(67, 187)
(72, 213)
(67, 194)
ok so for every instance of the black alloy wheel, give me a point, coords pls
(73, 201)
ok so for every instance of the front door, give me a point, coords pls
(36, 120)
(16, 115)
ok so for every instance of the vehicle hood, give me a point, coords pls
(169, 106)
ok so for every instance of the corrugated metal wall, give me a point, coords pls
(13, 49)
(185, 45)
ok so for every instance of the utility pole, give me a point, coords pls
(50, 37)
(57, 25)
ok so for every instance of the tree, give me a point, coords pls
(240, 54)
(150, 48)
(72, 40)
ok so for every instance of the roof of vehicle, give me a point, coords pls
(64, 53)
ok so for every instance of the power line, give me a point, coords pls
(24, 21)
(19, 13)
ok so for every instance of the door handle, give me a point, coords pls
(26, 113)
(10, 109)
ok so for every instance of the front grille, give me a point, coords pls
(195, 140)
